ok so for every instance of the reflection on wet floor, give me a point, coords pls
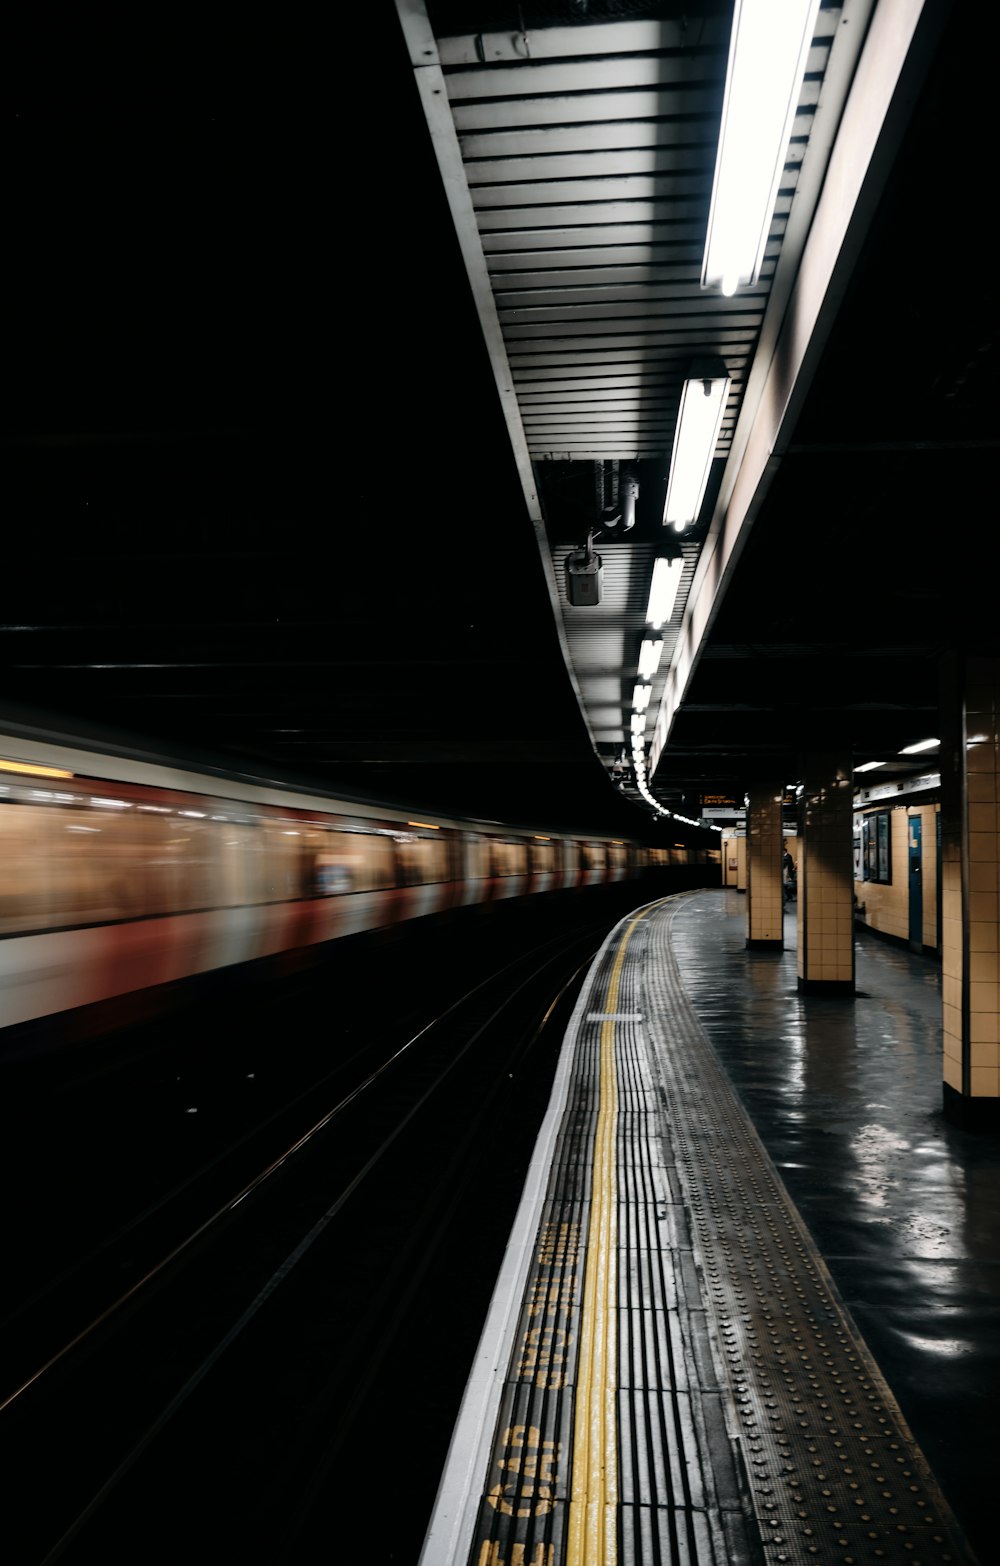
(904, 1206)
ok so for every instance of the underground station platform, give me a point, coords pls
(671, 1369)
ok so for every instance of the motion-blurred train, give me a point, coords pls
(118, 875)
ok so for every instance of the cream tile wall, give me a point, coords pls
(887, 908)
(730, 859)
(826, 872)
(765, 896)
(929, 816)
(970, 977)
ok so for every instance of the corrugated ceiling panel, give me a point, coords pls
(589, 155)
(604, 639)
(584, 154)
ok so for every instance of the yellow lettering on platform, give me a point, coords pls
(538, 1465)
(550, 1297)
(489, 1555)
(559, 1243)
(544, 1354)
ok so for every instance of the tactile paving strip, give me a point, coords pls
(681, 1500)
(835, 1474)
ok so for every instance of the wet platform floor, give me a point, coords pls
(904, 1207)
(747, 1312)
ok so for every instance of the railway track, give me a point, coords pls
(226, 1359)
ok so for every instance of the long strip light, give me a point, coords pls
(768, 50)
(663, 591)
(699, 419)
(649, 657)
(640, 697)
(927, 744)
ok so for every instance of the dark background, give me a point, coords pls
(259, 503)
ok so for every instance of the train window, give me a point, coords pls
(509, 858)
(478, 858)
(123, 866)
(350, 862)
(592, 856)
(25, 871)
(543, 857)
(282, 861)
(73, 866)
(191, 849)
(422, 860)
(237, 881)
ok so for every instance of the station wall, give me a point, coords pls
(885, 905)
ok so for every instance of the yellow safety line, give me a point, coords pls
(593, 1520)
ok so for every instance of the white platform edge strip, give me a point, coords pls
(448, 1541)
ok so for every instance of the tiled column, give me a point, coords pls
(741, 864)
(765, 896)
(730, 859)
(970, 889)
(826, 876)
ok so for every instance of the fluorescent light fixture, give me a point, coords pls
(649, 657)
(869, 766)
(638, 723)
(640, 697)
(663, 591)
(768, 50)
(699, 419)
(928, 744)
